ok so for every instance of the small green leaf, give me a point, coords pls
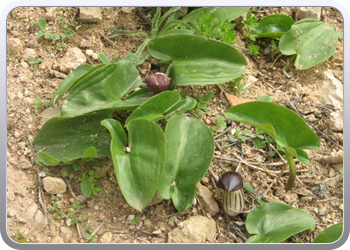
(42, 23)
(55, 37)
(274, 26)
(40, 33)
(275, 222)
(249, 188)
(85, 186)
(104, 59)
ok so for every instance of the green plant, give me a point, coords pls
(66, 31)
(250, 24)
(275, 222)
(38, 104)
(253, 49)
(299, 38)
(20, 238)
(220, 123)
(241, 135)
(91, 237)
(201, 105)
(35, 63)
(89, 184)
(237, 86)
(290, 132)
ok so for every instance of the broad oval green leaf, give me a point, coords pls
(197, 60)
(161, 106)
(64, 139)
(138, 171)
(275, 222)
(285, 126)
(189, 152)
(311, 40)
(274, 26)
(330, 234)
(104, 88)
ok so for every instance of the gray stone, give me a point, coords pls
(106, 237)
(66, 234)
(127, 10)
(71, 60)
(309, 12)
(36, 217)
(206, 200)
(197, 229)
(90, 14)
(330, 91)
(25, 164)
(29, 54)
(14, 47)
(335, 121)
(51, 14)
(54, 185)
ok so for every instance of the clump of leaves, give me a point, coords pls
(209, 26)
(89, 184)
(201, 105)
(35, 63)
(38, 104)
(220, 123)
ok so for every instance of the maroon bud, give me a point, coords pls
(230, 181)
(157, 82)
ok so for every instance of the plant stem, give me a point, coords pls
(291, 178)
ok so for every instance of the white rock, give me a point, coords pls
(25, 164)
(196, 229)
(330, 91)
(36, 217)
(14, 47)
(29, 54)
(127, 10)
(71, 60)
(309, 12)
(54, 185)
(106, 237)
(206, 200)
(66, 234)
(90, 14)
(335, 121)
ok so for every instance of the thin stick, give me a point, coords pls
(97, 229)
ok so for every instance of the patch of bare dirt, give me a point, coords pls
(107, 216)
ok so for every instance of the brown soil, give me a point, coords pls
(108, 210)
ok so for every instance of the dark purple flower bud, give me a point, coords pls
(230, 181)
(157, 82)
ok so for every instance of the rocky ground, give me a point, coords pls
(39, 213)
